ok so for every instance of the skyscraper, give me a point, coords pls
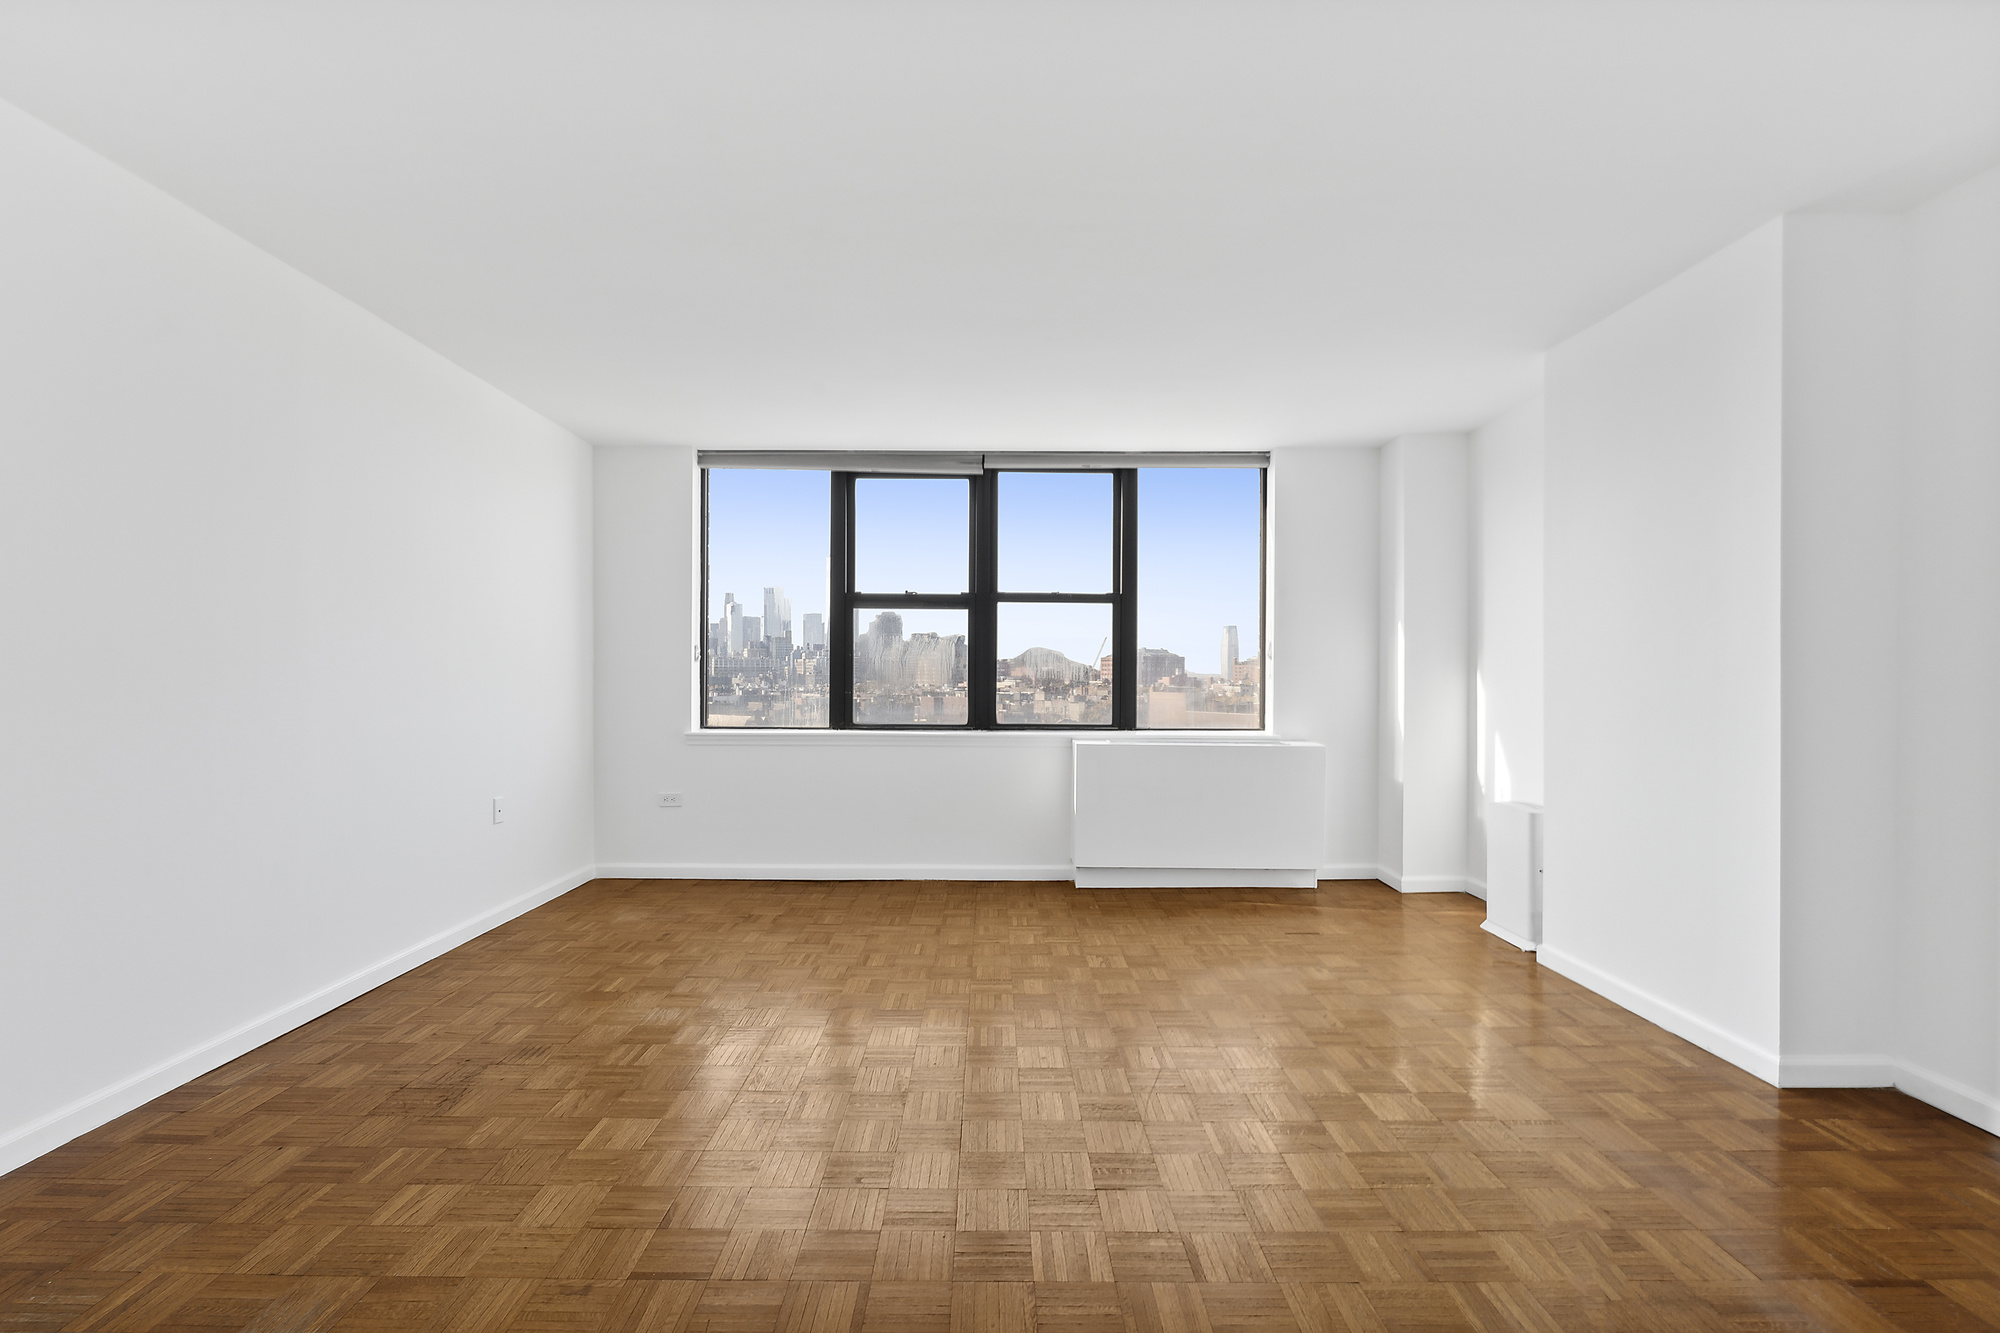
(777, 614)
(1228, 653)
(732, 615)
(815, 629)
(878, 650)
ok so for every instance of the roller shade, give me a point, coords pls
(841, 460)
(965, 465)
(1081, 461)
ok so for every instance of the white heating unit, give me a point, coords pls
(1199, 814)
(1514, 873)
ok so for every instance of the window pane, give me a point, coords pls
(1052, 659)
(1055, 532)
(1200, 600)
(767, 559)
(909, 668)
(910, 534)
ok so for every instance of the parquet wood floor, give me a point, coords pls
(905, 1107)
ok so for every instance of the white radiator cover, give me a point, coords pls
(1164, 814)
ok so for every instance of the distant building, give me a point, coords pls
(1043, 665)
(777, 614)
(753, 631)
(878, 649)
(883, 657)
(934, 659)
(732, 618)
(815, 630)
(1157, 664)
(1228, 651)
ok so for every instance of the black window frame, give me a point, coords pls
(982, 601)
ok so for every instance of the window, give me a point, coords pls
(1201, 590)
(765, 599)
(1055, 602)
(1009, 592)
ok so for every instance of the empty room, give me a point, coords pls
(1178, 667)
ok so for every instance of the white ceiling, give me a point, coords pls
(1084, 223)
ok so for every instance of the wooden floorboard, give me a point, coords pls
(917, 1106)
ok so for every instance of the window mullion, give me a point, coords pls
(983, 629)
(840, 611)
(1125, 628)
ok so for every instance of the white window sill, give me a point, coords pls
(1049, 736)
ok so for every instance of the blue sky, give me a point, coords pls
(1198, 540)
(910, 534)
(1055, 532)
(1198, 537)
(767, 528)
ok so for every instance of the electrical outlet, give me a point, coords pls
(670, 800)
(499, 809)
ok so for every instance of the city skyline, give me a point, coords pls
(1199, 558)
(922, 677)
(739, 635)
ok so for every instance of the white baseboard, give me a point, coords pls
(1887, 1071)
(1949, 1095)
(1745, 1055)
(1402, 883)
(22, 1145)
(1521, 942)
(1355, 871)
(718, 870)
(1476, 887)
(1173, 877)
(1837, 1071)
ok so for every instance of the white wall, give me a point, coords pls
(1948, 844)
(1843, 297)
(1424, 626)
(1663, 473)
(1325, 581)
(995, 805)
(1773, 733)
(289, 600)
(1507, 524)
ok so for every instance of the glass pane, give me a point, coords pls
(1055, 532)
(1200, 600)
(767, 560)
(909, 668)
(1053, 669)
(910, 534)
